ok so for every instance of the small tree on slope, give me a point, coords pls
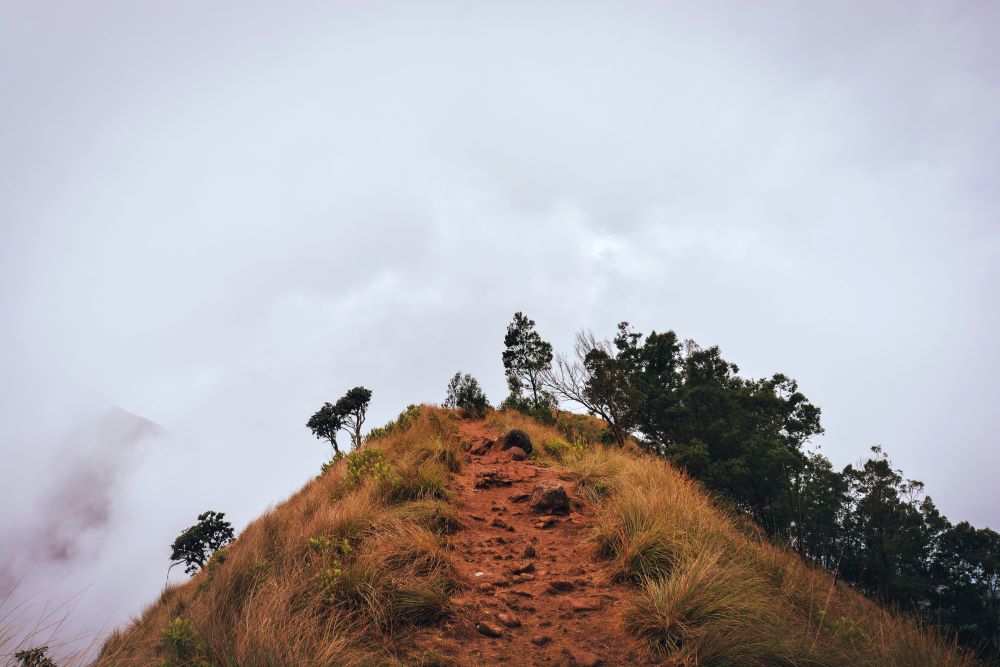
(347, 414)
(195, 545)
(526, 359)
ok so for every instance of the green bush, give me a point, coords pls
(561, 450)
(183, 646)
(34, 657)
(400, 423)
(369, 463)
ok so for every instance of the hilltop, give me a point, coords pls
(431, 545)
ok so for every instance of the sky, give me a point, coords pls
(215, 217)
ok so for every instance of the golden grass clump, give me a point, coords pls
(337, 574)
(709, 592)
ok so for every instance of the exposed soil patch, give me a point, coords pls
(534, 596)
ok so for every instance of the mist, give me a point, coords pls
(215, 218)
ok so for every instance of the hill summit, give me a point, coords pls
(503, 540)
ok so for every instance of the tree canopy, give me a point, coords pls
(194, 546)
(526, 359)
(347, 414)
(465, 394)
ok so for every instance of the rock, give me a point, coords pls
(489, 629)
(540, 640)
(524, 568)
(517, 453)
(483, 447)
(529, 552)
(580, 605)
(580, 658)
(521, 578)
(549, 498)
(560, 586)
(519, 497)
(503, 525)
(486, 587)
(510, 620)
(576, 571)
(515, 438)
(491, 478)
(547, 522)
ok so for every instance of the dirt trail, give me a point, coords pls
(530, 577)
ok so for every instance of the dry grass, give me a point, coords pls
(341, 572)
(710, 593)
(337, 574)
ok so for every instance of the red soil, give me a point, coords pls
(562, 611)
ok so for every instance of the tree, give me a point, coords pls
(599, 381)
(194, 546)
(347, 414)
(526, 359)
(465, 394)
(34, 657)
(325, 424)
(352, 408)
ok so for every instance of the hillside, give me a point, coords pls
(428, 546)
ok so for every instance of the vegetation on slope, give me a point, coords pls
(338, 574)
(710, 588)
(347, 569)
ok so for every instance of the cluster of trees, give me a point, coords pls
(745, 439)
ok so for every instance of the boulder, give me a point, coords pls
(515, 438)
(549, 498)
(491, 478)
(489, 629)
(517, 454)
(483, 447)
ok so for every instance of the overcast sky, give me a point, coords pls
(218, 216)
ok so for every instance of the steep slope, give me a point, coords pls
(420, 548)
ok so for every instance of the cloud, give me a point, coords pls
(220, 217)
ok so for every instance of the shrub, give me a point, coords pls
(183, 646)
(369, 463)
(465, 394)
(34, 657)
(405, 419)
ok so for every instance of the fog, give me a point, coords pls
(215, 218)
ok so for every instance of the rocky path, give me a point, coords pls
(534, 596)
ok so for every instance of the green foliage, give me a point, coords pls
(193, 546)
(34, 657)
(561, 450)
(369, 463)
(405, 419)
(347, 414)
(328, 580)
(526, 358)
(325, 424)
(183, 646)
(465, 394)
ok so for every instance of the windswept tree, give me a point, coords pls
(597, 379)
(465, 394)
(347, 414)
(195, 545)
(325, 424)
(526, 360)
(352, 408)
